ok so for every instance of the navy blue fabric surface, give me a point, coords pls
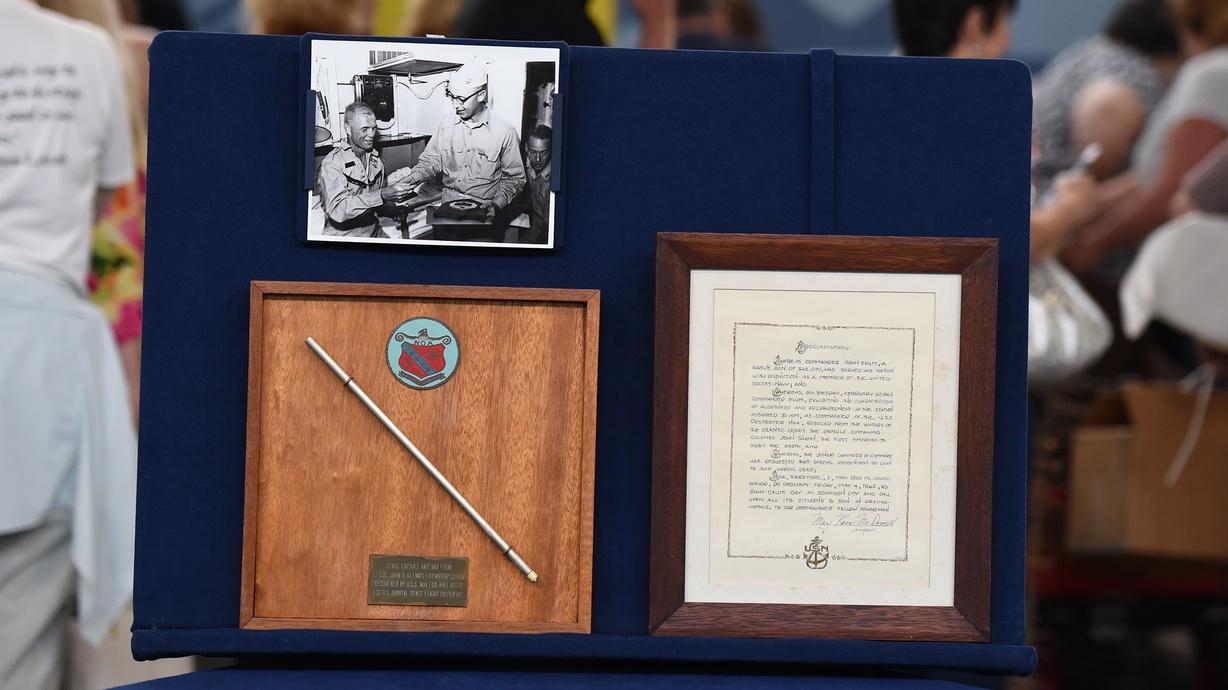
(274, 679)
(657, 141)
(681, 652)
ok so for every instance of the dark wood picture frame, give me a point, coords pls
(269, 506)
(976, 261)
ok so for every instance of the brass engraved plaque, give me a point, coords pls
(418, 581)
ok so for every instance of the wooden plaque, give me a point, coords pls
(800, 481)
(328, 487)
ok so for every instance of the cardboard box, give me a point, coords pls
(1119, 502)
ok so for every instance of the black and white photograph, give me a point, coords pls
(433, 144)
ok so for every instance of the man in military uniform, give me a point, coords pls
(477, 154)
(534, 199)
(351, 179)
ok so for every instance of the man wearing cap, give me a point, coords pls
(477, 155)
(351, 179)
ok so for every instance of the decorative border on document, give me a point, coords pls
(912, 376)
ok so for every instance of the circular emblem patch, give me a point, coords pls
(423, 353)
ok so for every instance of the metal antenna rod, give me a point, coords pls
(349, 382)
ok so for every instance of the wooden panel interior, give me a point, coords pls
(508, 430)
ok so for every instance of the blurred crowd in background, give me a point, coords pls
(1129, 250)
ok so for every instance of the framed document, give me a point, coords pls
(823, 445)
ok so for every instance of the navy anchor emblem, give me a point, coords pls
(816, 554)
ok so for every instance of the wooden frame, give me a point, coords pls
(517, 606)
(975, 260)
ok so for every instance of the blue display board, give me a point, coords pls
(294, 679)
(655, 141)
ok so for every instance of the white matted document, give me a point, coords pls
(827, 405)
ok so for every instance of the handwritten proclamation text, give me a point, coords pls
(823, 436)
